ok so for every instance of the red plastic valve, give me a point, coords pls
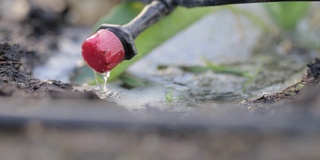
(103, 51)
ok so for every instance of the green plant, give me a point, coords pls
(287, 14)
(169, 96)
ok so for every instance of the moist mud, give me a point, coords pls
(16, 80)
(311, 79)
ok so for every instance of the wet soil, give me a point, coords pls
(311, 79)
(16, 80)
(25, 45)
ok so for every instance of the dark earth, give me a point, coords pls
(52, 120)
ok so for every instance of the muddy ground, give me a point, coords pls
(52, 120)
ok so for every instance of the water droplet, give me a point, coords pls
(101, 88)
(96, 77)
(105, 79)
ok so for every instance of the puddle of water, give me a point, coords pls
(151, 97)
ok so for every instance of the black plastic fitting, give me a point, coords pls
(151, 14)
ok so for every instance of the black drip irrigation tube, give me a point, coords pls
(156, 9)
(202, 3)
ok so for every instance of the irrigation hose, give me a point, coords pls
(202, 3)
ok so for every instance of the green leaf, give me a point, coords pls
(210, 66)
(169, 96)
(159, 33)
(131, 81)
(287, 14)
(121, 14)
(194, 69)
(252, 78)
(256, 20)
(225, 69)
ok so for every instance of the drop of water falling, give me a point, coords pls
(105, 79)
(97, 80)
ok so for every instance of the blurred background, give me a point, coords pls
(81, 12)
